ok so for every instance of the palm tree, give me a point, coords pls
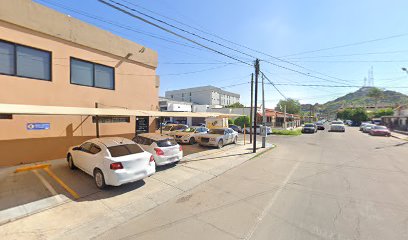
(376, 94)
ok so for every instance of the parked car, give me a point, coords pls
(218, 137)
(235, 128)
(112, 161)
(172, 127)
(164, 149)
(309, 128)
(367, 127)
(337, 126)
(362, 125)
(320, 126)
(376, 121)
(189, 135)
(258, 130)
(380, 131)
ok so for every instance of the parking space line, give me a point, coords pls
(39, 166)
(48, 185)
(58, 180)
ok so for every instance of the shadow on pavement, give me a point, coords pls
(210, 158)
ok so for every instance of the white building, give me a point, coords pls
(206, 95)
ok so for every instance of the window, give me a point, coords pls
(166, 143)
(123, 150)
(6, 116)
(86, 147)
(92, 74)
(23, 61)
(94, 149)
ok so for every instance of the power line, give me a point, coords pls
(347, 45)
(167, 30)
(277, 89)
(350, 55)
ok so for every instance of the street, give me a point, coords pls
(316, 186)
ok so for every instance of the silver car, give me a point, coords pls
(337, 126)
(189, 135)
(218, 137)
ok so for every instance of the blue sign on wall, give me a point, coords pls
(38, 126)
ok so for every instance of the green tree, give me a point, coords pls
(359, 115)
(383, 112)
(240, 121)
(230, 121)
(345, 114)
(376, 94)
(236, 105)
(292, 106)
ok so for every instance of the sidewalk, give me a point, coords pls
(399, 134)
(98, 211)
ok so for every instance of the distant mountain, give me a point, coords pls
(359, 98)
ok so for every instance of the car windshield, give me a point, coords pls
(380, 127)
(337, 122)
(309, 125)
(216, 131)
(167, 128)
(189, 130)
(124, 150)
(178, 127)
(166, 142)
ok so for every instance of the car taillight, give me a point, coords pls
(180, 148)
(116, 165)
(159, 152)
(151, 158)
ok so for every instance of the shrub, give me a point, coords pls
(240, 121)
(294, 132)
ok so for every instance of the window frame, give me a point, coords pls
(15, 61)
(93, 70)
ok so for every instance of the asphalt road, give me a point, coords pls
(317, 186)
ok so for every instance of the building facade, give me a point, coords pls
(48, 58)
(399, 121)
(206, 95)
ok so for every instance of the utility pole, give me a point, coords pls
(255, 102)
(263, 113)
(251, 110)
(284, 117)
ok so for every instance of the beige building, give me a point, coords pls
(48, 58)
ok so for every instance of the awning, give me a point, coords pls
(19, 109)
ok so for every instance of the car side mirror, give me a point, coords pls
(76, 148)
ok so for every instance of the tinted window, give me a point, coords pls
(309, 125)
(81, 73)
(216, 131)
(178, 127)
(124, 150)
(92, 74)
(94, 149)
(166, 143)
(380, 127)
(86, 147)
(7, 58)
(33, 63)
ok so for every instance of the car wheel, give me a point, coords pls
(70, 160)
(192, 141)
(99, 179)
(220, 144)
(235, 140)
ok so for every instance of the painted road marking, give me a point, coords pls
(48, 186)
(29, 168)
(46, 168)
(270, 203)
(58, 180)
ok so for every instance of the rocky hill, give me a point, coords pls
(359, 98)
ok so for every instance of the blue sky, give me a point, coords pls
(279, 28)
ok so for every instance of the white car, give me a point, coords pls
(164, 149)
(112, 161)
(218, 137)
(189, 135)
(169, 128)
(337, 126)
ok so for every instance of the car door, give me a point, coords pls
(80, 155)
(228, 135)
(93, 158)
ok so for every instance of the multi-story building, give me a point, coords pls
(49, 58)
(206, 95)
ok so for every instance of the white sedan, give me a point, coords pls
(112, 161)
(337, 126)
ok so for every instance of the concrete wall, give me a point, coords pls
(206, 95)
(135, 83)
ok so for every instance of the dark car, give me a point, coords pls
(235, 128)
(309, 128)
(320, 126)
